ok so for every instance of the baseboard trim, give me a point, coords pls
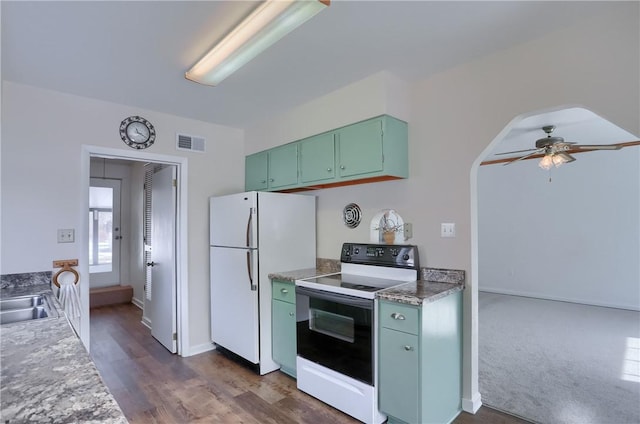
(558, 299)
(195, 350)
(146, 322)
(472, 405)
(138, 303)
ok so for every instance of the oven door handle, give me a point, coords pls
(335, 297)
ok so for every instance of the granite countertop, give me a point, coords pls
(435, 283)
(323, 267)
(419, 292)
(47, 375)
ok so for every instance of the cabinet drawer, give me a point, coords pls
(398, 316)
(284, 291)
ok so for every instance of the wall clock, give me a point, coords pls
(137, 132)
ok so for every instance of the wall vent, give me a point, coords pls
(190, 142)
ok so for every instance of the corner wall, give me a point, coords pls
(452, 117)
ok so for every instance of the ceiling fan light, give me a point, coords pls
(271, 21)
(562, 157)
(546, 162)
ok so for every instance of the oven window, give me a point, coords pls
(336, 335)
(334, 325)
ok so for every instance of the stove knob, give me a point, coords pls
(405, 257)
(356, 250)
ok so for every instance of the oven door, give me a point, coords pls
(336, 331)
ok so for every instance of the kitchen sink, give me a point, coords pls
(25, 308)
(21, 302)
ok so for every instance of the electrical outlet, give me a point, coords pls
(407, 230)
(66, 236)
(448, 229)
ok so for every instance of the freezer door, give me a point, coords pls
(234, 301)
(233, 220)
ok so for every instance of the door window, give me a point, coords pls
(100, 229)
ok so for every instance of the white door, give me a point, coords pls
(104, 232)
(163, 271)
(233, 220)
(234, 301)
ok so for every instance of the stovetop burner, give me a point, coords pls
(367, 268)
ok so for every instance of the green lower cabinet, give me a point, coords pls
(398, 380)
(420, 361)
(283, 326)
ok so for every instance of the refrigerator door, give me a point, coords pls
(233, 220)
(234, 301)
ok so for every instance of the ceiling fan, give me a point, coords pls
(555, 150)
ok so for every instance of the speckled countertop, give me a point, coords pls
(435, 283)
(419, 292)
(323, 267)
(47, 375)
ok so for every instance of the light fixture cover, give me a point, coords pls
(546, 162)
(268, 23)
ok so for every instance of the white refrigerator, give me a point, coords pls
(252, 235)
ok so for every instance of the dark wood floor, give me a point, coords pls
(153, 386)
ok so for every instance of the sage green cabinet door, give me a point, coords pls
(283, 335)
(255, 171)
(399, 372)
(360, 148)
(317, 158)
(283, 166)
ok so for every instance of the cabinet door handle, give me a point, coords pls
(263, 181)
(284, 291)
(341, 166)
(397, 316)
(271, 179)
(328, 169)
(408, 348)
(290, 314)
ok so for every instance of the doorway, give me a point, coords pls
(141, 224)
(179, 295)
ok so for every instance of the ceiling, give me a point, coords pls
(136, 53)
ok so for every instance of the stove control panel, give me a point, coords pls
(397, 255)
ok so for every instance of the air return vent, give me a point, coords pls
(189, 142)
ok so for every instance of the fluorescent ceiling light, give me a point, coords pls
(271, 21)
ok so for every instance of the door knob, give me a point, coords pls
(151, 263)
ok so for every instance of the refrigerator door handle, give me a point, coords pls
(253, 287)
(249, 227)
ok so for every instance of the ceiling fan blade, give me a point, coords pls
(596, 147)
(516, 151)
(538, 151)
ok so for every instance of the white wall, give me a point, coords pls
(576, 238)
(452, 117)
(42, 135)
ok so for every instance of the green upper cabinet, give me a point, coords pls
(255, 168)
(360, 148)
(272, 170)
(283, 167)
(317, 158)
(372, 150)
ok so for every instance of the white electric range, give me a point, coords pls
(336, 326)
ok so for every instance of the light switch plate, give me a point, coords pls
(448, 229)
(66, 235)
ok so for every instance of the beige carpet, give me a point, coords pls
(556, 362)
